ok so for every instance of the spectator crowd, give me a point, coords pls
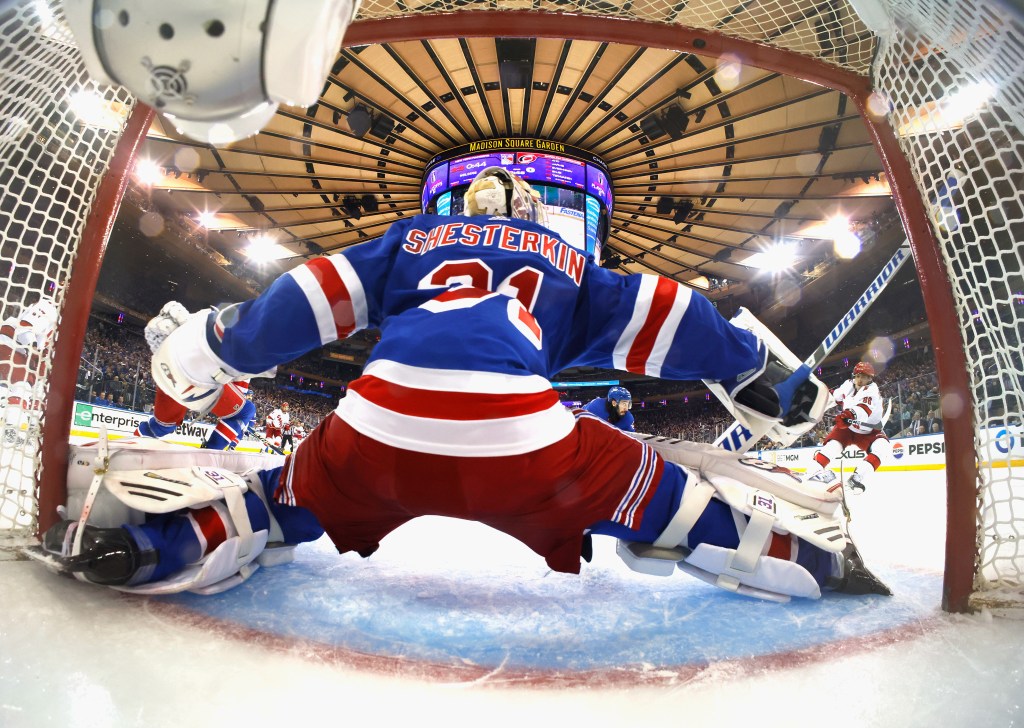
(115, 372)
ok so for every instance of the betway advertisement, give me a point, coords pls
(1001, 446)
(88, 418)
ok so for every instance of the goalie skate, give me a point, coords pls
(854, 577)
(109, 556)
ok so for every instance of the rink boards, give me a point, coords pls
(88, 418)
(1001, 446)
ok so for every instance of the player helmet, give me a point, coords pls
(864, 367)
(496, 191)
(284, 405)
(216, 70)
(619, 394)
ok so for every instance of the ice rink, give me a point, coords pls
(453, 624)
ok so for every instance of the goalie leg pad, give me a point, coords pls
(705, 460)
(768, 500)
(174, 478)
(241, 554)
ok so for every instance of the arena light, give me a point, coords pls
(950, 112)
(46, 17)
(845, 242)
(264, 248)
(775, 258)
(93, 110)
(207, 219)
(148, 172)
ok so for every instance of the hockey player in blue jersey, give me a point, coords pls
(614, 408)
(454, 415)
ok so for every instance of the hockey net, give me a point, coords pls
(951, 73)
(58, 134)
(926, 63)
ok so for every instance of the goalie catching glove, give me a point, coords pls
(184, 365)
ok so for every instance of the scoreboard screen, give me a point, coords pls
(577, 193)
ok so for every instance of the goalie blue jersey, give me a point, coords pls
(476, 315)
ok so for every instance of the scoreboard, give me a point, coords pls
(574, 185)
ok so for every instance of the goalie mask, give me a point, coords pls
(496, 191)
(217, 71)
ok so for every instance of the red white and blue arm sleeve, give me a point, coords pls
(651, 325)
(324, 300)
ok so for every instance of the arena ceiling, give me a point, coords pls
(747, 157)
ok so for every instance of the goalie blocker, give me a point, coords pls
(782, 398)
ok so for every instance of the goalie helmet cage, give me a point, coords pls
(66, 151)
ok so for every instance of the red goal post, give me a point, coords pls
(883, 74)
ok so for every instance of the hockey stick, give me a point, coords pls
(737, 437)
(885, 416)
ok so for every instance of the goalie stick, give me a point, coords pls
(738, 437)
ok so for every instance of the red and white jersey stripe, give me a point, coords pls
(640, 484)
(455, 412)
(335, 294)
(646, 339)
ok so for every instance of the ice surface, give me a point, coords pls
(455, 623)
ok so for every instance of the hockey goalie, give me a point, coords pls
(454, 415)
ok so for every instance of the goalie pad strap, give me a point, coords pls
(256, 486)
(235, 499)
(753, 539)
(695, 501)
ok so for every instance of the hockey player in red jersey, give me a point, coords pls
(279, 427)
(23, 336)
(858, 424)
(454, 415)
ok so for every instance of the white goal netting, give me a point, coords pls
(945, 75)
(951, 73)
(57, 136)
